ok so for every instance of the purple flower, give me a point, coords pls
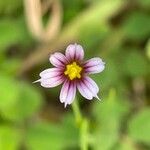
(73, 73)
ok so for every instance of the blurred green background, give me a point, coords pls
(118, 31)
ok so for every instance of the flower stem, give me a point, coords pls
(83, 124)
(84, 135)
(76, 111)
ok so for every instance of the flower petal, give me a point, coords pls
(84, 91)
(92, 84)
(58, 59)
(51, 72)
(52, 82)
(94, 65)
(74, 52)
(68, 92)
(88, 88)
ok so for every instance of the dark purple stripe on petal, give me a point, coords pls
(68, 92)
(84, 91)
(94, 65)
(88, 88)
(74, 52)
(58, 60)
(51, 72)
(92, 84)
(52, 82)
(70, 52)
(64, 91)
(71, 93)
(79, 54)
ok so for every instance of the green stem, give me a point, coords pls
(84, 135)
(83, 125)
(76, 111)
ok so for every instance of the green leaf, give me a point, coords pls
(109, 114)
(13, 32)
(48, 136)
(111, 108)
(7, 7)
(110, 76)
(144, 3)
(28, 102)
(9, 138)
(8, 85)
(72, 8)
(106, 137)
(137, 26)
(135, 64)
(44, 136)
(92, 35)
(139, 126)
(13, 68)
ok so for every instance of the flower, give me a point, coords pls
(72, 71)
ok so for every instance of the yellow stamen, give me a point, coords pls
(73, 71)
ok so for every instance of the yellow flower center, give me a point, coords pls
(73, 71)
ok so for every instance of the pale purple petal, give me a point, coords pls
(52, 82)
(58, 60)
(68, 92)
(51, 72)
(94, 65)
(88, 88)
(74, 52)
(84, 91)
(91, 84)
